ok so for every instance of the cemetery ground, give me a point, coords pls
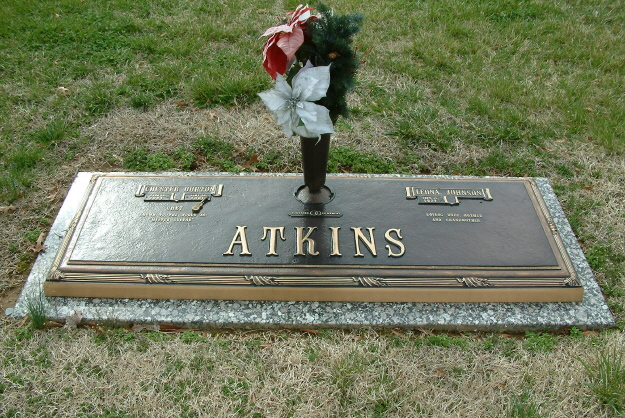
(501, 88)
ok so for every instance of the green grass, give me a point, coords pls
(462, 87)
(607, 379)
(36, 312)
(343, 159)
(522, 406)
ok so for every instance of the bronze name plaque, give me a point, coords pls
(383, 239)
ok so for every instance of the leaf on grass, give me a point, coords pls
(239, 151)
(145, 327)
(251, 161)
(52, 194)
(588, 188)
(423, 331)
(72, 321)
(38, 246)
(171, 328)
(399, 334)
(310, 331)
(7, 209)
(590, 333)
(440, 372)
(23, 321)
(98, 329)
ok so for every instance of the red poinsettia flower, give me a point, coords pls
(284, 40)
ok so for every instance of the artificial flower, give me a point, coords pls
(284, 40)
(294, 108)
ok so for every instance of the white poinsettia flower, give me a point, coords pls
(294, 108)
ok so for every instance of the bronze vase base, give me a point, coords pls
(323, 195)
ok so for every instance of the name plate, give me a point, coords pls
(383, 239)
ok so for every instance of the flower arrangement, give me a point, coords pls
(311, 58)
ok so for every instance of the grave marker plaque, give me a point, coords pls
(382, 239)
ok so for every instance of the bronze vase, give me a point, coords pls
(315, 166)
(315, 161)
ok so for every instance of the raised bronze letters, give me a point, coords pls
(445, 196)
(488, 240)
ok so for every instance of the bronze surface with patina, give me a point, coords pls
(380, 239)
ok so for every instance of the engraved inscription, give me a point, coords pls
(455, 217)
(200, 194)
(446, 196)
(238, 246)
(315, 214)
(171, 217)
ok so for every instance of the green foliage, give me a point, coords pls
(189, 337)
(36, 312)
(142, 101)
(607, 378)
(522, 406)
(444, 340)
(343, 159)
(32, 236)
(140, 160)
(497, 163)
(576, 333)
(184, 159)
(226, 90)
(219, 153)
(160, 162)
(539, 342)
(414, 132)
(52, 134)
(331, 44)
(603, 258)
(507, 11)
(100, 99)
(612, 264)
(237, 390)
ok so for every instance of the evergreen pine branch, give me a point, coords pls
(330, 44)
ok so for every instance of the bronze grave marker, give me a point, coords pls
(382, 239)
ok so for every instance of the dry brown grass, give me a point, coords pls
(290, 373)
(96, 372)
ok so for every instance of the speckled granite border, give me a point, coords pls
(591, 313)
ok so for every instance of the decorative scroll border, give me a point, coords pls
(573, 280)
(56, 275)
(302, 281)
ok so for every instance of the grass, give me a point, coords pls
(504, 88)
(607, 379)
(37, 312)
